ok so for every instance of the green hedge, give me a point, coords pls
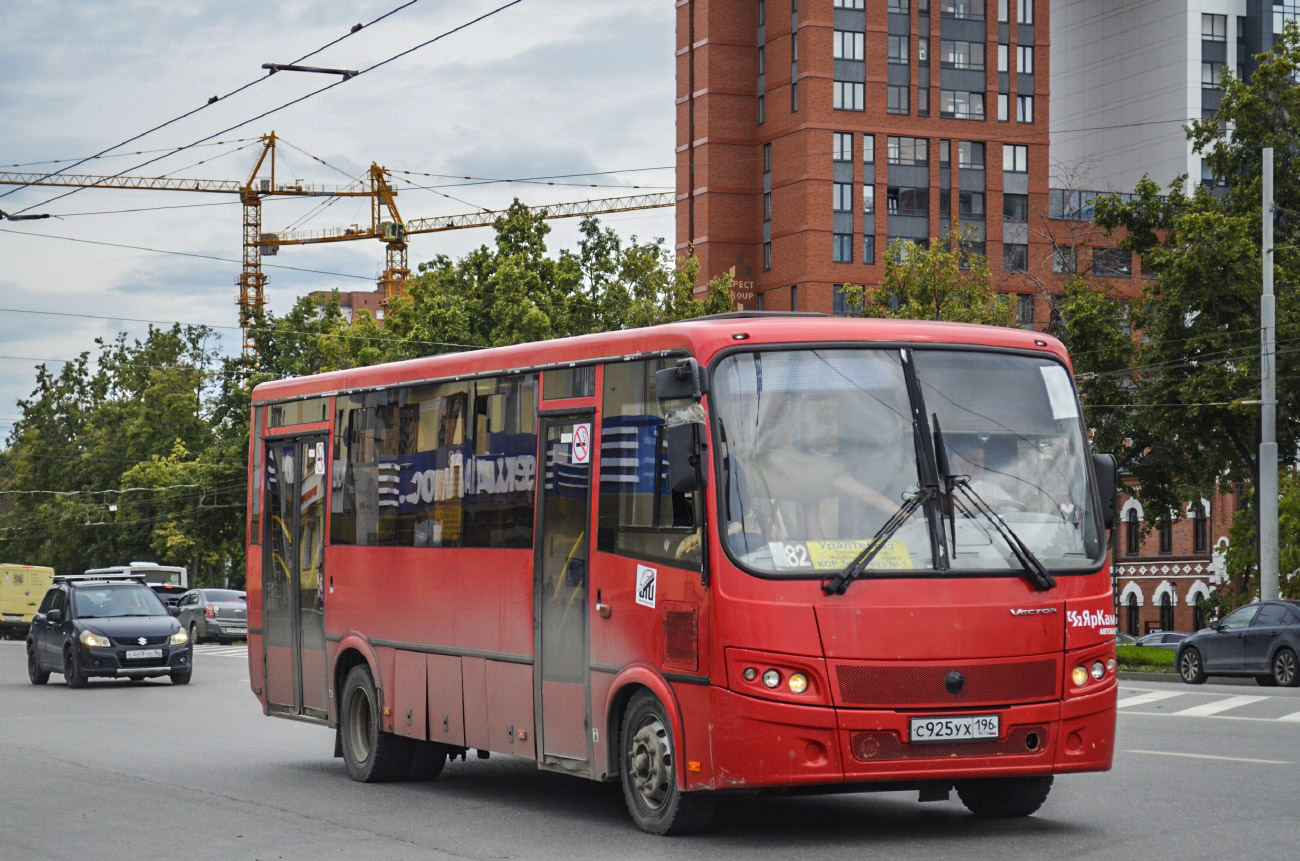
(1146, 660)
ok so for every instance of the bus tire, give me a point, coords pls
(427, 761)
(371, 755)
(648, 772)
(1004, 797)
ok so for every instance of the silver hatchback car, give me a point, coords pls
(214, 613)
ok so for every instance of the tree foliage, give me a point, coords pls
(138, 450)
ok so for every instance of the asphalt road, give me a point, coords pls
(120, 771)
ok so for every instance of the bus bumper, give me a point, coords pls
(762, 744)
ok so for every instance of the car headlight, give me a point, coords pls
(179, 638)
(93, 640)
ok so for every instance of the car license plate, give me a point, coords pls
(142, 654)
(236, 630)
(969, 728)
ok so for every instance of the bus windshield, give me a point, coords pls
(819, 451)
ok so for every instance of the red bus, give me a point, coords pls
(745, 552)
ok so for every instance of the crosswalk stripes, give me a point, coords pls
(1146, 699)
(1197, 703)
(1294, 718)
(1207, 709)
(239, 651)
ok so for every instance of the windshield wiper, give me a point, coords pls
(839, 584)
(1038, 573)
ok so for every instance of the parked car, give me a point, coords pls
(92, 625)
(219, 613)
(1162, 639)
(1260, 640)
(1122, 639)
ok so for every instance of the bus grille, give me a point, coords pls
(879, 746)
(912, 686)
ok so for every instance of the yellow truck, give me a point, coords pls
(21, 589)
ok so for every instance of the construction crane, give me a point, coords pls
(386, 222)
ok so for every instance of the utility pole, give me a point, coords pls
(1268, 553)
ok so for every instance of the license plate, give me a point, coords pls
(236, 630)
(970, 728)
(141, 654)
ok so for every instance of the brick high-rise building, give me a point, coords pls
(812, 133)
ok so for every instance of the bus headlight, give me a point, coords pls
(179, 638)
(94, 641)
(772, 679)
(798, 683)
(1079, 676)
(1098, 670)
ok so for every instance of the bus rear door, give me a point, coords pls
(293, 605)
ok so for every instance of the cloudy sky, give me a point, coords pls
(579, 89)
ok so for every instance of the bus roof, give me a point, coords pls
(703, 337)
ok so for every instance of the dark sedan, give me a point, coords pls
(219, 613)
(1163, 640)
(1259, 640)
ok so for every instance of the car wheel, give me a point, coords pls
(73, 674)
(1190, 667)
(1266, 681)
(194, 633)
(371, 755)
(34, 671)
(648, 771)
(1004, 797)
(1285, 671)
(182, 678)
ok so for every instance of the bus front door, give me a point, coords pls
(293, 605)
(563, 549)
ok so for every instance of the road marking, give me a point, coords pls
(1292, 717)
(1208, 756)
(1218, 706)
(1143, 699)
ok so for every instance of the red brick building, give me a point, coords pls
(812, 133)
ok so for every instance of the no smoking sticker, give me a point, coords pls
(580, 447)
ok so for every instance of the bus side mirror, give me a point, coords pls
(1107, 469)
(687, 380)
(685, 463)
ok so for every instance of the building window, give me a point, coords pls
(961, 55)
(1024, 109)
(841, 247)
(841, 146)
(945, 151)
(1166, 612)
(840, 304)
(868, 149)
(970, 155)
(1004, 109)
(1002, 10)
(762, 12)
(847, 96)
(848, 45)
(961, 105)
(1064, 261)
(762, 109)
(1214, 28)
(868, 198)
(1015, 158)
(970, 205)
(897, 5)
(848, 4)
(907, 201)
(1132, 533)
(767, 206)
(1025, 59)
(1111, 263)
(1003, 64)
(1024, 11)
(1200, 539)
(1025, 310)
(1166, 535)
(923, 50)
(1132, 623)
(971, 9)
(923, 102)
(762, 60)
(945, 203)
(767, 256)
(842, 196)
(912, 151)
(794, 297)
(896, 100)
(868, 249)
(1015, 258)
(767, 158)
(897, 52)
(1015, 207)
(1212, 75)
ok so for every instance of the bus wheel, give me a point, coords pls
(648, 770)
(1004, 797)
(371, 755)
(427, 760)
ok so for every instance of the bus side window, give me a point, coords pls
(639, 516)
